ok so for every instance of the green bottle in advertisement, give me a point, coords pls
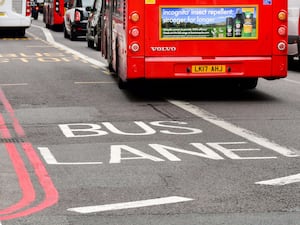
(229, 27)
(248, 24)
(238, 25)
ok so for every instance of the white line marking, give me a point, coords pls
(16, 84)
(130, 205)
(292, 81)
(51, 40)
(95, 82)
(249, 135)
(282, 180)
(50, 159)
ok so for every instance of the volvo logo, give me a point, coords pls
(163, 49)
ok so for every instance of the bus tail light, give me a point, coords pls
(57, 6)
(77, 16)
(282, 30)
(281, 46)
(135, 32)
(28, 8)
(282, 15)
(134, 17)
(299, 25)
(134, 47)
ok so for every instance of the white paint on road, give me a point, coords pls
(249, 135)
(51, 40)
(130, 205)
(13, 84)
(50, 159)
(282, 180)
(94, 82)
(292, 81)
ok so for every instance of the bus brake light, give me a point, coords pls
(299, 26)
(282, 30)
(281, 46)
(135, 32)
(57, 6)
(28, 8)
(135, 47)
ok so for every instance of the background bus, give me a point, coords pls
(174, 39)
(15, 16)
(54, 11)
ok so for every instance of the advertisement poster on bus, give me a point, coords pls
(232, 22)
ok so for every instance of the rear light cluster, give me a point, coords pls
(57, 6)
(28, 8)
(299, 24)
(282, 30)
(134, 32)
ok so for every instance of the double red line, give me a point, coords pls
(26, 204)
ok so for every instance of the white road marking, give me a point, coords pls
(50, 159)
(249, 135)
(51, 40)
(292, 81)
(95, 82)
(16, 84)
(130, 205)
(282, 180)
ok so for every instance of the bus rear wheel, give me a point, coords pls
(121, 83)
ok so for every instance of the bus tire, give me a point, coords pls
(121, 83)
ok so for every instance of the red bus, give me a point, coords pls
(154, 39)
(54, 11)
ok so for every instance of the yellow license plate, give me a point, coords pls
(208, 69)
(2, 14)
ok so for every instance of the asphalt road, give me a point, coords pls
(75, 149)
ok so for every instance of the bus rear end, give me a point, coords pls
(54, 11)
(208, 39)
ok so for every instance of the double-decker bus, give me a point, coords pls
(241, 40)
(54, 11)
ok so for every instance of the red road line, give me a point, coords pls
(18, 128)
(28, 193)
(51, 194)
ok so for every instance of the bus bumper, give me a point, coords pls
(236, 67)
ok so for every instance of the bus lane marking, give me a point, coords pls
(247, 134)
(281, 180)
(130, 205)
